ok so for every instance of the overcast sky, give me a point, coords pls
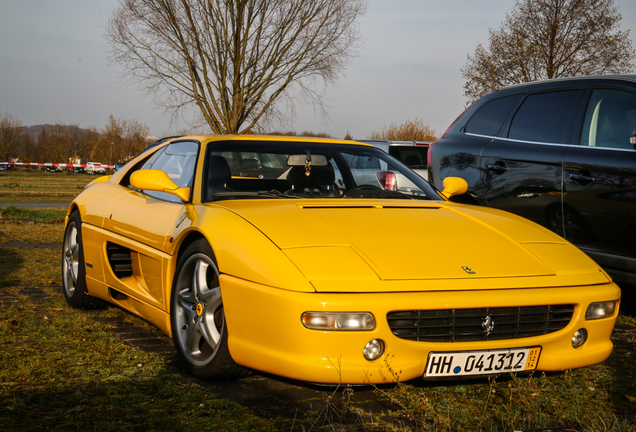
(53, 65)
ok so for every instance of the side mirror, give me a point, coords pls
(454, 186)
(156, 180)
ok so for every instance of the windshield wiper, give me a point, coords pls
(276, 193)
(271, 194)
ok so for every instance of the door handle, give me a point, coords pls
(581, 178)
(498, 168)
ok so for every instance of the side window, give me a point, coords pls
(364, 169)
(546, 117)
(490, 117)
(252, 164)
(339, 179)
(411, 156)
(610, 119)
(178, 160)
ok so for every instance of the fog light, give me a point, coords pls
(374, 349)
(344, 321)
(579, 338)
(600, 310)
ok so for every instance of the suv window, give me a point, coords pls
(490, 117)
(545, 117)
(412, 156)
(610, 119)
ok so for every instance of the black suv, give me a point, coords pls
(561, 153)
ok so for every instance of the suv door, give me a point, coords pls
(460, 155)
(599, 200)
(521, 168)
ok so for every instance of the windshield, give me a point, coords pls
(271, 169)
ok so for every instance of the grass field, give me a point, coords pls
(60, 369)
(22, 184)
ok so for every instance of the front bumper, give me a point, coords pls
(266, 333)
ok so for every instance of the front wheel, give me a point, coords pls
(73, 268)
(198, 323)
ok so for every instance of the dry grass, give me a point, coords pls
(61, 369)
(31, 185)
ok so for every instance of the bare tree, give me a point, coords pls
(65, 143)
(240, 62)
(410, 130)
(11, 137)
(26, 150)
(119, 141)
(542, 39)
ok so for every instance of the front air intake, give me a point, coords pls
(479, 324)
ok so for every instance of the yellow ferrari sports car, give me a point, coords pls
(330, 262)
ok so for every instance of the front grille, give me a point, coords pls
(466, 325)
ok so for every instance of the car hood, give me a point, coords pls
(350, 245)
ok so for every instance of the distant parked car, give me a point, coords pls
(48, 168)
(413, 154)
(95, 168)
(561, 153)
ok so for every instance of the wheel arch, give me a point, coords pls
(73, 207)
(189, 238)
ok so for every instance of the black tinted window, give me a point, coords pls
(545, 117)
(610, 119)
(412, 156)
(489, 118)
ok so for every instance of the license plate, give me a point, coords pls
(486, 362)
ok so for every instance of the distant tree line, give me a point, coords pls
(120, 140)
(410, 130)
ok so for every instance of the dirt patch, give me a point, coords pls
(9, 242)
(624, 337)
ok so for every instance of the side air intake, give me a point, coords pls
(119, 259)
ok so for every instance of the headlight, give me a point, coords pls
(600, 310)
(346, 321)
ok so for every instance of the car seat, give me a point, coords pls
(320, 181)
(218, 176)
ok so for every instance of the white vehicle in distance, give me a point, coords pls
(411, 153)
(95, 168)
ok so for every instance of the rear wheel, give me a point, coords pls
(73, 268)
(198, 323)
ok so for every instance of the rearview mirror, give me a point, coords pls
(156, 180)
(300, 159)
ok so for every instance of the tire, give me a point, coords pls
(73, 267)
(198, 323)
(569, 224)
